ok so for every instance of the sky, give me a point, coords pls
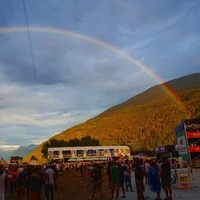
(63, 62)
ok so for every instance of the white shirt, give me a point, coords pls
(146, 166)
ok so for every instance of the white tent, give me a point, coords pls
(34, 162)
(3, 162)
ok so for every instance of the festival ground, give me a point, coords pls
(74, 186)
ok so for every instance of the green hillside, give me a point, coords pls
(144, 121)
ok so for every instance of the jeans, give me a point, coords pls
(128, 182)
(49, 190)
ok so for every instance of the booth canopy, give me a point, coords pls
(34, 162)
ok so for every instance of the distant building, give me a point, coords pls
(88, 153)
(16, 160)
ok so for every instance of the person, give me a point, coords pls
(146, 168)
(97, 183)
(160, 162)
(13, 184)
(127, 174)
(174, 164)
(22, 183)
(166, 178)
(107, 166)
(154, 179)
(55, 169)
(49, 183)
(139, 178)
(81, 169)
(3, 183)
(34, 184)
(114, 179)
(121, 181)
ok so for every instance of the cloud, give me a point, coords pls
(72, 77)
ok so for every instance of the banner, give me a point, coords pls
(182, 145)
(193, 134)
(183, 178)
(194, 148)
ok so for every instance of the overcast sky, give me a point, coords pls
(78, 58)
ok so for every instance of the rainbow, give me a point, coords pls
(131, 59)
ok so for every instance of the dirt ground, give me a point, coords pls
(73, 186)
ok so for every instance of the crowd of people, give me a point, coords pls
(22, 182)
(26, 182)
(155, 173)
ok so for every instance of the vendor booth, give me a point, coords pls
(169, 151)
(188, 140)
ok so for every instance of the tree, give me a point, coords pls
(88, 141)
(44, 150)
(52, 143)
(33, 158)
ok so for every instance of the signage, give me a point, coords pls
(194, 148)
(157, 150)
(166, 150)
(171, 148)
(193, 134)
(182, 145)
(192, 125)
(162, 149)
(188, 135)
(183, 179)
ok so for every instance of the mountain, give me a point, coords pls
(5, 155)
(22, 151)
(144, 121)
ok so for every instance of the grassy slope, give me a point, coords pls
(143, 121)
